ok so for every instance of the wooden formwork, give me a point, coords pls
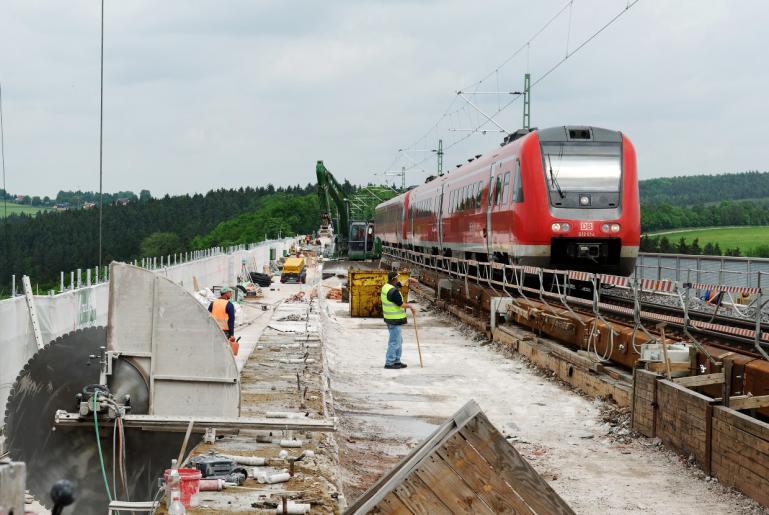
(465, 466)
(644, 409)
(727, 444)
(740, 452)
(684, 421)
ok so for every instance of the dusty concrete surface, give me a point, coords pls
(574, 442)
(282, 369)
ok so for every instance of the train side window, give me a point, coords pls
(497, 190)
(505, 189)
(517, 183)
(479, 194)
(488, 194)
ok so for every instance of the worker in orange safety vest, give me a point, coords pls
(223, 312)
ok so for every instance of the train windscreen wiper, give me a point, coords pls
(553, 180)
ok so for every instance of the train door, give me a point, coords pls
(406, 217)
(487, 230)
(439, 215)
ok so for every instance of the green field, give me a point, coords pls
(746, 238)
(17, 209)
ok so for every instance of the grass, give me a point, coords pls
(746, 238)
(17, 209)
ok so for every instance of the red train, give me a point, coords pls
(563, 197)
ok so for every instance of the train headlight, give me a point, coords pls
(614, 227)
(560, 227)
(584, 200)
(605, 228)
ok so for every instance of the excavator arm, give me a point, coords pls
(330, 194)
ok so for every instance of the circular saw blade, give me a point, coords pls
(49, 382)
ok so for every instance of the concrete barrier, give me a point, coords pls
(84, 307)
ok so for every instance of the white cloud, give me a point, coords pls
(206, 94)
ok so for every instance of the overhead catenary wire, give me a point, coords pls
(542, 77)
(2, 159)
(101, 134)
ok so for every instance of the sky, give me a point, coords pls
(204, 94)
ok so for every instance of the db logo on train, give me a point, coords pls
(586, 228)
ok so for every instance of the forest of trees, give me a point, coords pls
(277, 215)
(43, 245)
(657, 217)
(700, 189)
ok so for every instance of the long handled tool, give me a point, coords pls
(419, 348)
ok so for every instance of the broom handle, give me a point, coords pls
(419, 348)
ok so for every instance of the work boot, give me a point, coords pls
(393, 366)
(401, 365)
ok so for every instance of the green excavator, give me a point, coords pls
(354, 238)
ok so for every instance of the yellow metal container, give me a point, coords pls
(365, 287)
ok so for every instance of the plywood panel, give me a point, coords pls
(417, 497)
(511, 467)
(449, 487)
(477, 473)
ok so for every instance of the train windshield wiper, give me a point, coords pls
(553, 180)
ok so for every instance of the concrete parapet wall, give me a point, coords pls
(84, 307)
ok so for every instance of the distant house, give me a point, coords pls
(61, 206)
(89, 205)
(20, 198)
(122, 201)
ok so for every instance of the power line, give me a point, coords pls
(543, 76)
(2, 157)
(476, 84)
(101, 132)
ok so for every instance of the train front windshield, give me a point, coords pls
(584, 167)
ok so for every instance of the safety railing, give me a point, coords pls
(511, 279)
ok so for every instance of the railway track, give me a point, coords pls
(610, 327)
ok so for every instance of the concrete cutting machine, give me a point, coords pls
(109, 407)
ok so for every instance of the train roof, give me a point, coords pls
(561, 133)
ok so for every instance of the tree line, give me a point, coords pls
(662, 244)
(656, 217)
(74, 199)
(45, 244)
(701, 189)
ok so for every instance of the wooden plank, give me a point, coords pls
(479, 475)
(388, 482)
(391, 505)
(730, 433)
(418, 498)
(449, 487)
(702, 380)
(708, 466)
(742, 421)
(511, 467)
(726, 391)
(745, 402)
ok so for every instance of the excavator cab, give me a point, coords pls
(361, 242)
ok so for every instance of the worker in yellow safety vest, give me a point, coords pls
(394, 313)
(223, 312)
